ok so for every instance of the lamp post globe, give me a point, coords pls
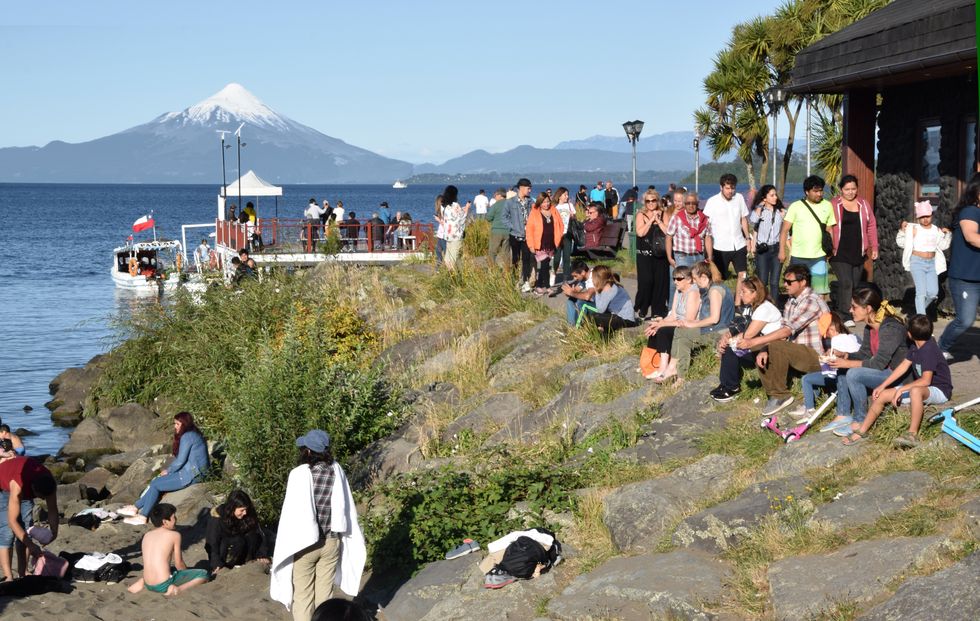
(633, 129)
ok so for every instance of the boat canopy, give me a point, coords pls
(251, 185)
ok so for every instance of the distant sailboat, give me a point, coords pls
(398, 185)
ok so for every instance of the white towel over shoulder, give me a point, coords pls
(298, 530)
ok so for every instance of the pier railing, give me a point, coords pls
(296, 235)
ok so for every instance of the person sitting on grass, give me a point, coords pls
(161, 546)
(716, 311)
(613, 306)
(832, 328)
(579, 290)
(660, 332)
(933, 384)
(764, 319)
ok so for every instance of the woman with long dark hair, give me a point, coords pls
(453, 224)
(964, 265)
(189, 466)
(234, 536)
(652, 269)
(855, 236)
(766, 218)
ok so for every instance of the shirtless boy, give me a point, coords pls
(160, 545)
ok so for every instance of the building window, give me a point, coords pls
(928, 158)
(969, 149)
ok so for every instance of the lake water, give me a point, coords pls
(56, 295)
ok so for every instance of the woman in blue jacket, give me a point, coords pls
(189, 466)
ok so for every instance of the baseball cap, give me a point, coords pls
(524, 182)
(316, 440)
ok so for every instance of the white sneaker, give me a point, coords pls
(526, 287)
(802, 417)
(948, 356)
(849, 323)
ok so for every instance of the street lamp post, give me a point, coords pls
(775, 96)
(633, 129)
(697, 159)
(809, 103)
(238, 134)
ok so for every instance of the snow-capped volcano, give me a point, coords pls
(183, 147)
(233, 103)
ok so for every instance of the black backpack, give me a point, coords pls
(524, 554)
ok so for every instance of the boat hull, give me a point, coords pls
(141, 284)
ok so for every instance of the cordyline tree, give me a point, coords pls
(760, 55)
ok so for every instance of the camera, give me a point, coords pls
(761, 248)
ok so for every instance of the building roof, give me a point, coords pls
(905, 41)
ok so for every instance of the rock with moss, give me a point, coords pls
(881, 496)
(639, 514)
(950, 594)
(638, 588)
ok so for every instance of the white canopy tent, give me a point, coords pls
(248, 185)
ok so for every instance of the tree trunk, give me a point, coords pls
(791, 138)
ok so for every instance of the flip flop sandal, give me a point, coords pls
(860, 438)
(665, 379)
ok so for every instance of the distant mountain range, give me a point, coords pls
(183, 147)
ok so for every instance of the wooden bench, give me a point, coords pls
(609, 244)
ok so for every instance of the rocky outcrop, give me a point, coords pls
(805, 586)
(814, 450)
(868, 501)
(638, 514)
(70, 390)
(639, 588)
(90, 438)
(133, 425)
(128, 487)
(418, 596)
(950, 595)
(529, 350)
(498, 410)
(718, 528)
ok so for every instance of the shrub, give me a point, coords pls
(476, 242)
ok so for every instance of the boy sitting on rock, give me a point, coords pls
(160, 545)
(933, 384)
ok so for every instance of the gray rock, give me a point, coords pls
(96, 483)
(640, 588)
(71, 492)
(497, 410)
(24, 433)
(950, 595)
(119, 462)
(528, 350)
(718, 528)
(128, 487)
(385, 458)
(814, 450)
(89, 438)
(493, 331)
(414, 599)
(133, 426)
(638, 514)
(414, 349)
(804, 586)
(70, 389)
(193, 504)
(971, 511)
(884, 495)
(673, 434)
(511, 603)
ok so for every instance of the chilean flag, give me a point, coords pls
(146, 222)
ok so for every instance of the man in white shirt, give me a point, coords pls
(202, 256)
(480, 204)
(729, 229)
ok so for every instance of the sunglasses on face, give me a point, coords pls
(789, 281)
(679, 278)
(690, 202)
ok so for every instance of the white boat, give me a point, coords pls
(398, 185)
(150, 266)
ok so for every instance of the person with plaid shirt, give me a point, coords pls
(795, 345)
(688, 238)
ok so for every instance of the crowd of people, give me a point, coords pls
(776, 320)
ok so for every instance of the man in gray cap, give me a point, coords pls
(517, 209)
(319, 541)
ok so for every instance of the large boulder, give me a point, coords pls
(806, 586)
(529, 350)
(88, 439)
(70, 390)
(868, 501)
(496, 411)
(493, 331)
(193, 503)
(96, 483)
(638, 514)
(718, 528)
(414, 349)
(128, 487)
(414, 599)
(950, 595)
(133, 426)
(813, 451)
(640, 588)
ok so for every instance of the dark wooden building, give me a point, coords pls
(908, 74)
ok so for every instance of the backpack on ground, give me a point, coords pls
(524, 554)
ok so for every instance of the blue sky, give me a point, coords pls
(421, 81)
